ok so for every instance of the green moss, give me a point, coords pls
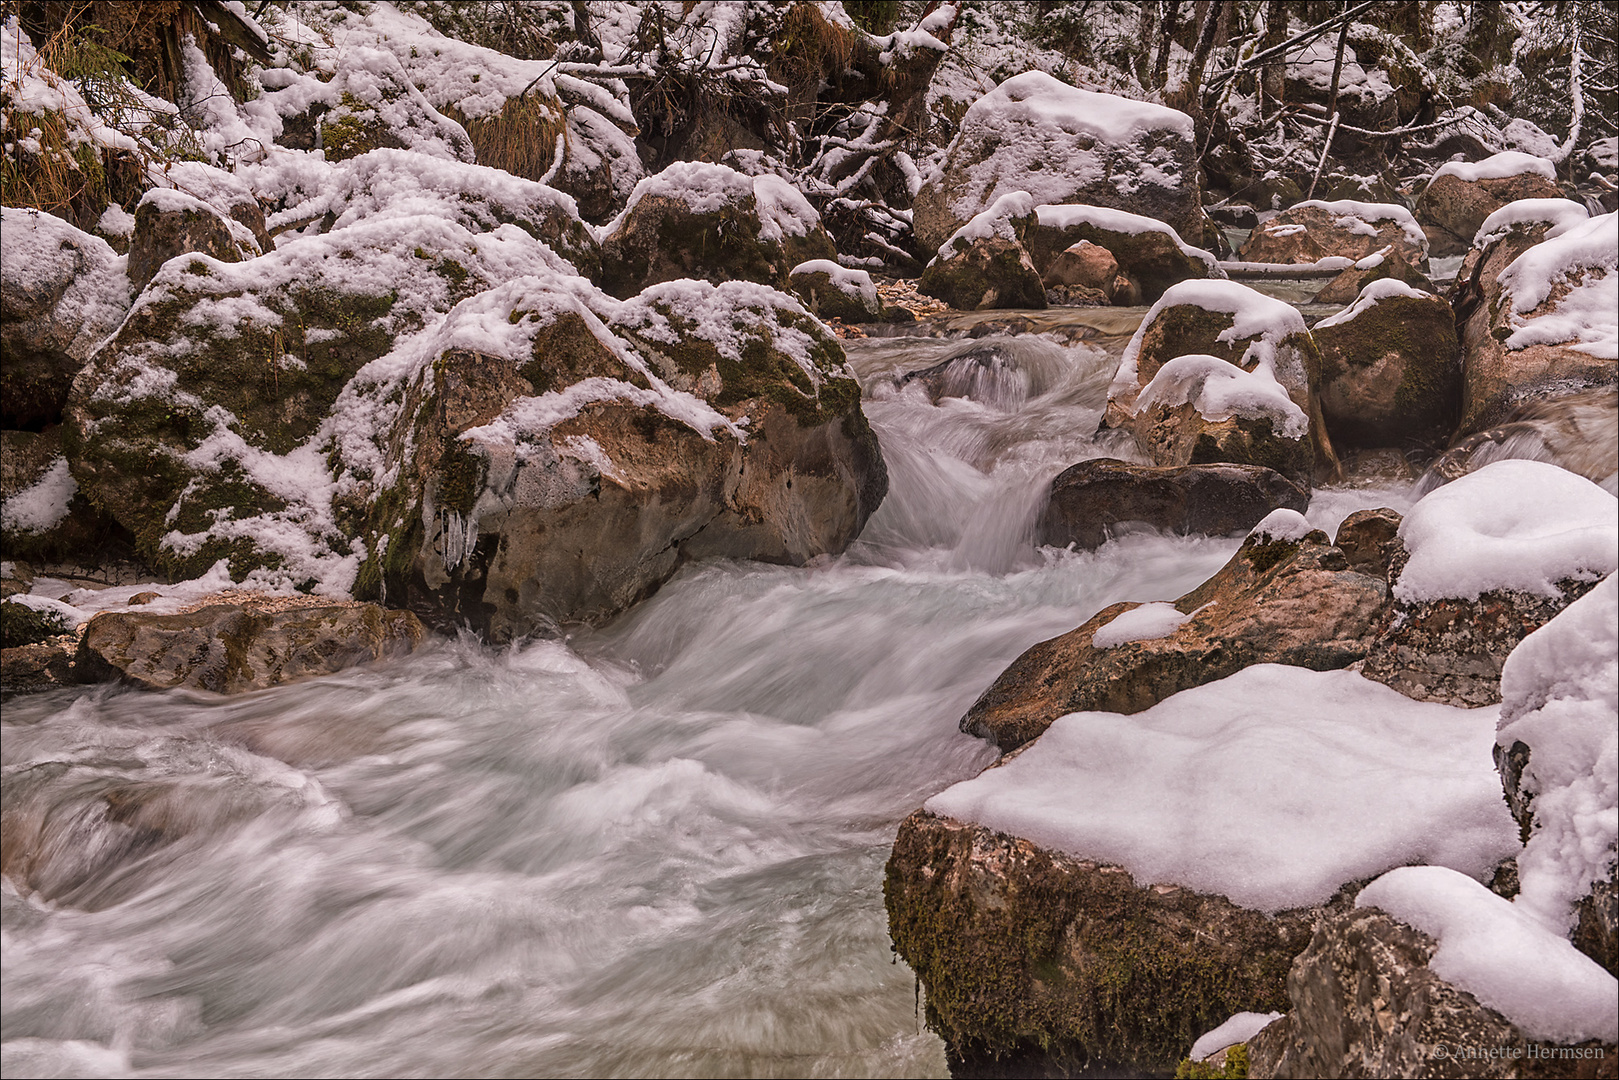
(1234, 1068)
(460, 473)
(22, 625)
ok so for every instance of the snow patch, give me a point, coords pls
(1145, 623)
(1497, 167)
(1381, 289)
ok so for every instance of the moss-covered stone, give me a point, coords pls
(1026, 951)
(984, 274)
(1392, 375)
(23, 625)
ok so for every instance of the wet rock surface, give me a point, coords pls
(1391, 374)
(1276, 601)
(1089, 501)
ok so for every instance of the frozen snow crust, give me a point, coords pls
(1508, 960)
(1272, 787)
(1523, 525)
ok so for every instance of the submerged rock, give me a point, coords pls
(1091, 499)
(1284, 601)
(232, 648)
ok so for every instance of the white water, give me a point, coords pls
(651, 850)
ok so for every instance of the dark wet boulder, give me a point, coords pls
(231, 648)
(1089, 501)
(1278, 600)
(710, 222)
(1391, 370)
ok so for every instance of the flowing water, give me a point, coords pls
(654, 849)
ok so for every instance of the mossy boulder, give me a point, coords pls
(231, 648)
(1391, 369)
(1299, 602)
(1459, 206)
(1344, 288)
(831, 291)
(984, 273)
(1035, 957)
(205, 426)
(368, 103)
(62, 291)
(45, 517)
(710, 223)
(170, 223)
(565, 478)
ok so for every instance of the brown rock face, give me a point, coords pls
(233, 648)
(1344, 288)
(1024, 951)
(1460, 206)
(1090, 499)
(1366, 1004)
(1392, 375)
(1312, 230)
(1084, 264)
(1276, 602)
(1496, 380)
(984, 274)
(1150, 258)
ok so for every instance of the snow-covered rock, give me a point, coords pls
(62, 291)
(984, 273)
(556, 454)
(695, 220)
(1281, 599)
(1558, 752)
(1536, 316)
(1220, 372)
(1062, 144)
(1486, 560)
(1391, 368)
(831, 291)
(1313, 230)
(170, 223)
(1150, 253)
(1462, 194)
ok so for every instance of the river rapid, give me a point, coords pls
(652, 849)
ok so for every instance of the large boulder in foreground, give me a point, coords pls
(1030, 953)
(1485, 561)
(1537, 319)
(1291, 598)
(1312, 230)
(1463, 194)
(1094, 893)
(62, 291)
(564, 471)
(710, 222)
(1218, 372)
(1061, 144)
(1391, 368)
(231, 648)
(1091, 500)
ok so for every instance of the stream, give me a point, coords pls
(651, 849)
